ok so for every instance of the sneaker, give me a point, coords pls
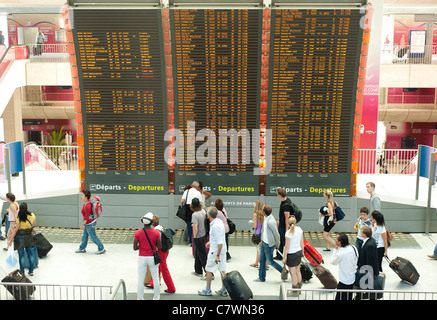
(222, 292)
(101, 251)
(80, 251)
(205, 292)
(194, 273)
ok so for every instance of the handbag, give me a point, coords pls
(156, 255)
(256, 239)
(339, 213)
(284, 273)
(182, 209)
(231, 225)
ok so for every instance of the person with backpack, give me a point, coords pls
(163, 268)
(89, 224)
(285, 211)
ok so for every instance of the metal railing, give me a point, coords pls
(330, 294)
(33, 291)
(387, 161)
(121, 284)
(415, 54)
(51, 157)
(48, 52)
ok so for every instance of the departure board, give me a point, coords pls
(216, 67)
(122, 86)
(314, 59)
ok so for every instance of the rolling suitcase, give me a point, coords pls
(311, 254)
(236, 286)
(305, 271)
(325, 276)
(19, 292)
(42, 245)
(404, 269)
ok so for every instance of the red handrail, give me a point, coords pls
(14, 52)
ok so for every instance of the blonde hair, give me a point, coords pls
(291, 224)
(330, 196)
(258, 210)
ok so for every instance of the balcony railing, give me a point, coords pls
(48, 52)
(387, 161)
(415, 54)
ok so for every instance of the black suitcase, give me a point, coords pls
(305, 271)
(236, 286)
(404, 269)
(19, 292)
(42, 245)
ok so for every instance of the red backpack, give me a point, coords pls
(96, 207)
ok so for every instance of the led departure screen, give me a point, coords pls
(216, 65)
(314, 58)
(119, 56)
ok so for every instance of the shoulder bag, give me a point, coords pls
(182, 211)
(156, 255)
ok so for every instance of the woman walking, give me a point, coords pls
(380, 235)
(23, 240)
(12, 217)
(258, 218)
(294, 248)
(330, 204)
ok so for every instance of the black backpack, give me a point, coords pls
(297, 212)
(167, 239)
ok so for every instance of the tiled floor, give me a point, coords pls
(237, 239)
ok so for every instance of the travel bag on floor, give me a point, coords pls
(325, 276)
(42, 245)
(305, 271)
(404, 269)
(19, 292)
(311, 254)
(236, 286)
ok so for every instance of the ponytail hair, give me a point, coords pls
(291, 224)
(330, 197)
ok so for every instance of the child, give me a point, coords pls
(362, 221)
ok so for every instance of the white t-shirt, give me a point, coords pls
(377, 232)
(192, 193)
(294, 239)
(346, 258)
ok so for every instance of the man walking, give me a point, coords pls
(374, 202)
(269, 241)
(285, 210)
(217, 252)
(89, 225)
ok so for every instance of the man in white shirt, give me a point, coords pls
(217, 252)
(345, 256)
(188, 196)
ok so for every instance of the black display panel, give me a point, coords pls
(314, 60)
(122, 85)
(216, 67)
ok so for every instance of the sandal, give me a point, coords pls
(254, 265)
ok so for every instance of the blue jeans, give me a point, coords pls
(29, 255)
(266, 253)
(89, 230)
